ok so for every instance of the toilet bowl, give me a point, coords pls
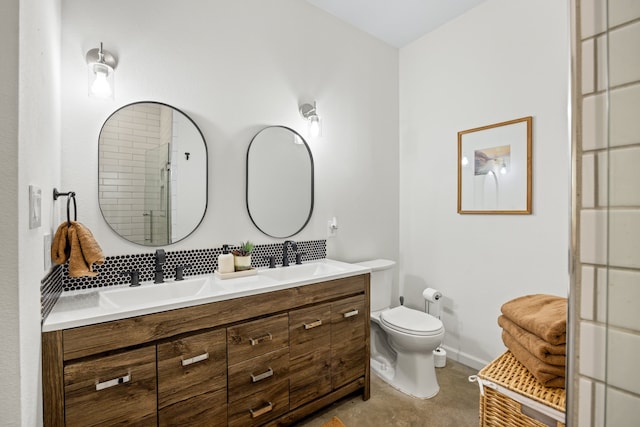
(402, 339)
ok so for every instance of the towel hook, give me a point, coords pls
(70, 195)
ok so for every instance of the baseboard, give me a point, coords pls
(465, 358)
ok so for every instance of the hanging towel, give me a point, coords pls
(542, 315)
(548, 353)
(548, 375)
(76, 244)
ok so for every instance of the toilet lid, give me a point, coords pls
(411, 321)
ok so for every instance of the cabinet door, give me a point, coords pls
(190, 372)
(348, 350)
(111, 390)
(310, 353)
(251, 339)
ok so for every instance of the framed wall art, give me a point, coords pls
(494, 168)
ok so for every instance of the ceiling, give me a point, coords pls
(397, 22)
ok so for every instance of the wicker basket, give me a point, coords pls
(511, 396)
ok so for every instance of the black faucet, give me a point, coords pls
(160, 260)
(135, 277)
(285, 251)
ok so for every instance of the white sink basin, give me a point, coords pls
(153, 294)
(313, 270)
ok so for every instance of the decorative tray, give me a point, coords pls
(242, 273)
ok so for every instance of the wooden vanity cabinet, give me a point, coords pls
(348, 337)
(265, 359)
(192, 379)
(310, 353)
(118, 389)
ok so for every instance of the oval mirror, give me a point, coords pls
(152, 173)
(279, 181)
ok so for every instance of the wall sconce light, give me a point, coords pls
(100, 65)
(309, 112)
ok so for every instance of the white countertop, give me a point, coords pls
(87, 307)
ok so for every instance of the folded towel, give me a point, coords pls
(547, 375)
(548, 353)
(542, 315)
(76, 244)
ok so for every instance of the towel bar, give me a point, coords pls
(70, 195)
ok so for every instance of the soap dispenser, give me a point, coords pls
(225, 261)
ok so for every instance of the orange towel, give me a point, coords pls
(548, 375)
(542, 315)
(548, 353)
(333, 422)
(76, 244)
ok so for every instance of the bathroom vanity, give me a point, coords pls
(234, 355)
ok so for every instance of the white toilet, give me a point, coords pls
(402, 339)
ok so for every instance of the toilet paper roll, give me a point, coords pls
(432, 295)
(439, 357)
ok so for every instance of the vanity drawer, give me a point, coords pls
(204, 409)
(256, 374)
(258, 408)
(258, 337)
(348, 353)
(309, 329)
(191, 366)
(110, 390)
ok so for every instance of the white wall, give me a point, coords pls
(502, 60)
(9, 272)
(235, 67)
(39, 165)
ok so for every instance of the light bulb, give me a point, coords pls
(503, 169)
(464, 161)
(314, 126)
(100, 86)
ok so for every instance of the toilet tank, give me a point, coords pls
(381, 282)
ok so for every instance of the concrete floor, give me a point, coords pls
(456, 405)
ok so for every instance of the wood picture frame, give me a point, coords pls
(494, 168)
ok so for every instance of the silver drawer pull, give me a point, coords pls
(261, 411)
(195, 359)
(351, 313)
(262, 376)
(267, 337)
(112, 383)
(313, 324)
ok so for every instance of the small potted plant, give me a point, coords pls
(242, 256)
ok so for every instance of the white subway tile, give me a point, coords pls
(592, 17)
(624, 238)
(601, 63)
(593, 237)
(601, 295)
(623, 409)
(624, 177)
(588, 66)
(602, 174)
(588, 181)
(594, 122)
(621, 11)
(599, 405)
(624, 293)
(587, 292)
(624, 113)
(584, 402)
(624, 61)
(592, 350)
(622, 362)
